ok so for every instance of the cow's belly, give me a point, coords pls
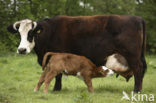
(96, 49)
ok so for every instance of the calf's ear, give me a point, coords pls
(11, 29)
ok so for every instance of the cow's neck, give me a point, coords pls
(42, 46)
(40, 51)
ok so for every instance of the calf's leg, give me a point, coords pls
(42, 78)
(48, 78)
(88, 82)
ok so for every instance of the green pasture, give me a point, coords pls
(19, 75)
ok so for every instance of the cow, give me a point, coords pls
(70, 64)
(95, 37)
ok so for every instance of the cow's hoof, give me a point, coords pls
(91, 91)
(57, 89)
(136, 91)
(45, 91)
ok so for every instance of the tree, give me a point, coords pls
(147, 10)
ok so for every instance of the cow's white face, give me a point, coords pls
(25, 28)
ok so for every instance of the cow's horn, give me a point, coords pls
(35, 24)
(15, 24)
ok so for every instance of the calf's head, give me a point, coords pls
(27, 30)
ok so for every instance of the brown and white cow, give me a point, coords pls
(70, 64)
(95, 37)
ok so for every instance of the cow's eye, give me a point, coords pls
(38, 31)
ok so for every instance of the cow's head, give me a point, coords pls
(26, 30)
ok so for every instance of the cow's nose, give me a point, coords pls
(22, 50)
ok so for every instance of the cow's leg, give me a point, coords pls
(136, 66)
(42, 78)
(58, 82)
(138, 77)
(88, 82)
(48, 78)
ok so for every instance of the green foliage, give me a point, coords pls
(14, 10)
(121, 7)
(147, 10)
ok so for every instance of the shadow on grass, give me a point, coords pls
(4, 61)
(107, 89)
(5, 98)
(69, 91)
(42, 97)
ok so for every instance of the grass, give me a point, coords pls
(19, 75)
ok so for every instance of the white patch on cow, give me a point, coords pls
(25, 27)
(66, 71)
(65, 74)
(79, 75)
(114, 64)
(110, 72)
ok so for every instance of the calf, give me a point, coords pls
(70, 64)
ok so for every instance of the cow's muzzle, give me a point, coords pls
(22, 50)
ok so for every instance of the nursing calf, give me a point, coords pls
(70, 64)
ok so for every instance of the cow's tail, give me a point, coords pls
(143, 60)
(46, 58)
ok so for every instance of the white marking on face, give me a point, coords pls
(79, 75)
(115, 65)
(104, 68)
(25, 27)
(110, 72)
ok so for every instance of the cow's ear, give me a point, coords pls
(38, 29)
(11, 29)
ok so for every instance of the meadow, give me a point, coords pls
(19, 75)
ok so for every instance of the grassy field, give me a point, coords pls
(19, 75)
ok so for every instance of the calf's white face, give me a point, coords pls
(27, 39)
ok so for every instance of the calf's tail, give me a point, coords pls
(46, 58)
